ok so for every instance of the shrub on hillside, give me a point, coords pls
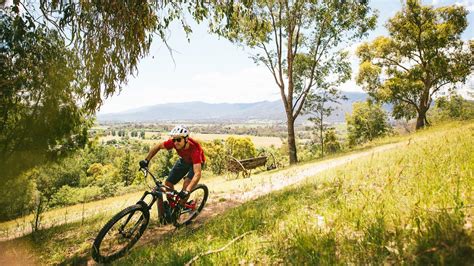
(67, 195)
(367, 122)
(215, 156)
(453, 106)
(240, 148)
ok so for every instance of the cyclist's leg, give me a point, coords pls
(179, 170)
(189, 176)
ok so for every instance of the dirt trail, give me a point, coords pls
(299, 173)
(238, 192)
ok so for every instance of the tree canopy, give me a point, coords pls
(40, 90)
(423, 53)
(60, 59)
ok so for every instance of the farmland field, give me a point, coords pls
(257, 140)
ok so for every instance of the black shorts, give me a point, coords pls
(180, 170)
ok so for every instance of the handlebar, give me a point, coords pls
(159, 184)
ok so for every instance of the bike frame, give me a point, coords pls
(157, 195)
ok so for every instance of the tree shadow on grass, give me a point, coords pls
(443, 240)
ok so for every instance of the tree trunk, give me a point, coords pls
(38, 212)
(421, 119)
(321, 136)
(291, 140)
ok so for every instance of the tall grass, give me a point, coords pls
(413, 205)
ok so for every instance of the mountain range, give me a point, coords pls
(222, 112)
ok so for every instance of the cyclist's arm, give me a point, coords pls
(196, 177)
(154, 150)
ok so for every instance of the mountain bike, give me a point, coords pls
(124, 229)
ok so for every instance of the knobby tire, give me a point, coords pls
(137, 229)
(199, 188)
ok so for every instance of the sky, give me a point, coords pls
(213, 70)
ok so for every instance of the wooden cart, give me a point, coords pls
(265, 161)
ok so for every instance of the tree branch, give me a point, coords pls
(217, 250)
(409, 101)
(298, 110)
(270, 9)
(278, 43)
(438, 88)
(395, 63)
(271, 67)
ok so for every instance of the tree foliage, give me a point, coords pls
(40, 89)
(422, 53)
(216, 157)
(298, 42)
(318, 106)
(453, 106)
(367, 121)
(60, 59)
(240, 148)
(126, 171)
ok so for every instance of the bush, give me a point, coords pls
(215, 152)
(67, 195)
(240, 148)
(17, 197)
(330, 141)
(453, 106)
(367, 122)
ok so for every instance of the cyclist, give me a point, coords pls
(189, 164)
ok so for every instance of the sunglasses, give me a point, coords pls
(177, 140)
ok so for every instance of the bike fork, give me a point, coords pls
(132, 230)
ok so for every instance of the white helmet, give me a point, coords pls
(179, 131)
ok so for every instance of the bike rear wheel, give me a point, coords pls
(197, 198)
(120, 233)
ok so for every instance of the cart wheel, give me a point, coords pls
(270, 163)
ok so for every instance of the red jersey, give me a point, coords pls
(193, 154)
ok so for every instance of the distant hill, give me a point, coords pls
(221, 112)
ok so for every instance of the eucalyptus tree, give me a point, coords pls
(422, 54)
(60, 59)
(283, 33)
(39, 87)
(320, 106)
(109, 37)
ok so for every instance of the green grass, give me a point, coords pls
(413, 205)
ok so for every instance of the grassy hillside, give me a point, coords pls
(412, 205)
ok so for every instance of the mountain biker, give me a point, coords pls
(189, 164)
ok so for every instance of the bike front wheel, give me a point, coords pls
(120, 233)
(194, 205)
